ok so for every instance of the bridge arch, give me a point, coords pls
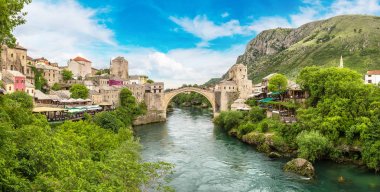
(208, 94)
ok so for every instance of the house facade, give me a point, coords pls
(80, 67)
(372, 77)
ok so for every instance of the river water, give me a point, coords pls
(207, 159)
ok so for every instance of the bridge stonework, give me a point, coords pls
(208, 94)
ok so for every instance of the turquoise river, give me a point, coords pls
(207, 159)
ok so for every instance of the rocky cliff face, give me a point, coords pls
(273, 41)
(321, 43)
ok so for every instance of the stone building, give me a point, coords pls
(119, 68)
(235, 86)
(14, 59)
(156, 87)
(138, 91)
(51, 72)
(110, 94)
(96, 97)
(80, 67)
(138, 79)
(13, 81)
(238, 74)
(29, 89)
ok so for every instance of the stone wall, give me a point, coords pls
(150, 117)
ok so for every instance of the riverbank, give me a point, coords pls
(206, 158)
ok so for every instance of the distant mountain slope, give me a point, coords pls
(321, 43)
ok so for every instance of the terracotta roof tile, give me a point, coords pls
(81, 59)
(373, 72)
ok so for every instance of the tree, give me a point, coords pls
(256, 114)
(10, 17)
(312, 145)
(108, 120)
(129, 109)
(150, 81)
(79, 91)
(278, 83)
(229, 119)
(25, 100)
(56, 87)
(67, 75)
(39, 81)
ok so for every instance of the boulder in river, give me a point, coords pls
(300, 166)
(274, 155)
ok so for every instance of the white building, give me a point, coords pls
(80, 67)
(372, 77)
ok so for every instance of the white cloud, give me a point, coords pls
(183, 66)
(225, 14)
(268, 23)
(207, 30)
(61, 30)
(311, 10)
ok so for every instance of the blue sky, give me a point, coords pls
(173, 41)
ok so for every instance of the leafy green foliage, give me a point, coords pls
(150, 81)
(67, 75)
(102, 71)
(10, 17)
(278, 83)
(256, 114)
(108, 120)
(79, 91)
(25, 100)
(229, 119)
(341, 113)
(312, 145)
(190, 99)
(75, 156)
(39, 81)
(56, 87)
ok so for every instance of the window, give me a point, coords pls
(32, 91)
(16, 81)
(11, 54)
(10, 88)
(27, 91)
(369, 75)
(369, 81)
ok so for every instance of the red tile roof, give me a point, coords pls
(81, 59)
(373, 72)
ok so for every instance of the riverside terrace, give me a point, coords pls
(54, 114)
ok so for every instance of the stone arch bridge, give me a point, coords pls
(208, 94)
(157, 103)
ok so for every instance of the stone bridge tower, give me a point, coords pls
(119, 68)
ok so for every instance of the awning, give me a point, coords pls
(47, 109)
(275, 93)
(266, 100)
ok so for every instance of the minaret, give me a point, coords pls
(341, 62)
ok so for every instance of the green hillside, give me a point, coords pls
(321, 43)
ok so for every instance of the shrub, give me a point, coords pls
(256, 114)
(232, 119)
(56, 87)
(311, 145)
(264, 127)
(79, 91)
(108, 120)
(246, 128)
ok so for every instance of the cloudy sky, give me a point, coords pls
(175, 41)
